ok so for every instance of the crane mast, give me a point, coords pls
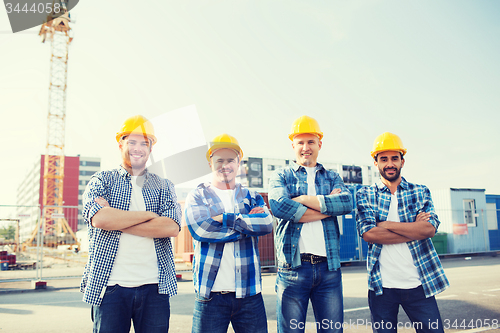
(57, 30)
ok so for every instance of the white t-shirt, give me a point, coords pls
(312, 236)
(396, 263)
(136, 262)
(226, 276)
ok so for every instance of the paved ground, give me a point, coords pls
(473, 297)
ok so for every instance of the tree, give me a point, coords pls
(8, 232)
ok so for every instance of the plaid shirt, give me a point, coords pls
(115, 186)
(373, 206)
(209, 237)
(291, 182)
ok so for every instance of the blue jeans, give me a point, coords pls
(423, 312)
(213, 314)
(309, 281)
(149, 310)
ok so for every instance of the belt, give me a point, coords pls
(222, 292)
(312, 258)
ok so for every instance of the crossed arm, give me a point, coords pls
(387, 232)
(255, 210)
(313, 212)
(142, 223)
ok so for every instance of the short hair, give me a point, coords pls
(149, 139)
(400, 153)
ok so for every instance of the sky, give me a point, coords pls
(427, 71)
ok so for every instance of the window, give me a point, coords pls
(90, 163)
(270, 167)
(491, 216)
(470, 212)
(256, 182)
(86, 173)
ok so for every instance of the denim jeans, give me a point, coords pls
(149, 310)
(309, 281)
(213, 314)
(423, 312)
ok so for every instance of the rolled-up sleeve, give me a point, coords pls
(429, 208)
(282, 205)
(95, 189)
(202, 227)
(254, 224)
(170, 207)
(365, 216)
(336, 204)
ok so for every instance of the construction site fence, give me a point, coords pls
(45, 242)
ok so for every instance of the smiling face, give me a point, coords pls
(225, 164)
(389, 164)
(306, 147)
(135, 150)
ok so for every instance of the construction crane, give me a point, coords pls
(55, 227)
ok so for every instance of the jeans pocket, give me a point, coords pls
(111, 289)
(202, 299)
(288, 273)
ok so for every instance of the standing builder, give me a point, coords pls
(225, 219)
(131, 213)
(397, 219)
(306, 198)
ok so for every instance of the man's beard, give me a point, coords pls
(390, 178)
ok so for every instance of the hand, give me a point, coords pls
(101, 201)
(336, 191)
(423, 217)
(218, 218)
(257, 210)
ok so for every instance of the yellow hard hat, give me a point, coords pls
(304, 125)
(387, 142)
(137, 125)
(224, 141)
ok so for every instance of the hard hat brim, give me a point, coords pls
(122, 134)
(219, 146)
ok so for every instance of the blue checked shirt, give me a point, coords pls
(115, 186)
(373, 206)
(209, 237)
(291, 182)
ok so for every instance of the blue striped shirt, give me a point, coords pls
(209, 237)
(291, 182)
(373, 206)
(115, 186)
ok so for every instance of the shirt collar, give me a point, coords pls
(206, 185)
(403, 185)
(296, 167)
(124, 173)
